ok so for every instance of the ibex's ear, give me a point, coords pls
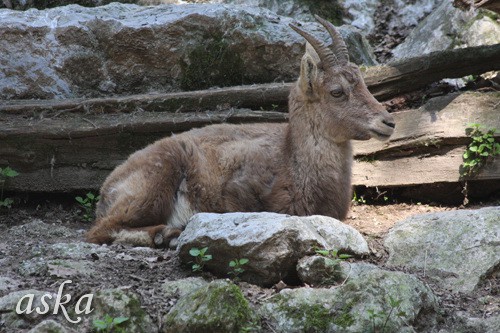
(309, 68)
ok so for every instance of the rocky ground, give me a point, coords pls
(42, 245)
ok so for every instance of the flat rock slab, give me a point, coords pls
(272, 242)
(456, 249)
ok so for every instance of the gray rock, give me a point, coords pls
(73, 51)
(33, 267)
(463, 322)
(456, 249)
(15, 322)
(351, 307)
(50, 326)
(75, 250)
(405, 13)
(322, 271)
(37, 228)
(449, 28)
(272, 242)
(182, 287)
(7, 284)
(121, 303)
(217, 307)
(298, 9)
(60, 268)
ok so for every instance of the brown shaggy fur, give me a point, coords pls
(299, 168)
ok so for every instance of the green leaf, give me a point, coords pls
(466, 154)
(80, 200)
(244, 261)
(345, 256)
(8, 172)
(194, 252)
(207, 257)
(323, 252)
(473, 148)
(203, 250)
(119, 320)
(7, 202)
(232, 263)
(401, 314)
(485, 153)
(100, 324)
(91, 196)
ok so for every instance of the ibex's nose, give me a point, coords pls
(389, 123)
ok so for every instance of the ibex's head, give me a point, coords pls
(340, 101)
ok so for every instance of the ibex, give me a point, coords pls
(299, 168)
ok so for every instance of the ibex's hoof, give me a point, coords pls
(159, 240)
(167, 237)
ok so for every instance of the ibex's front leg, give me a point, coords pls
(108, 231)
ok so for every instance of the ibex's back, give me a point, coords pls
(299, 168)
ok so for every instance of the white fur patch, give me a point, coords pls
(183, 209)
(131, 237)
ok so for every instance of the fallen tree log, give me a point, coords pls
(75, 151)
(383, 81)
(442, 121)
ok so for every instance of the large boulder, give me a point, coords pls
(217, 307)
(404, 14)
(273, 243)
(73, 51)
(456, 249)
(447, 28)
(375, 301)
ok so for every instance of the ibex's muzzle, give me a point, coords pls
(383, 126)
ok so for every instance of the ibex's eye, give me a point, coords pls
(337, 92)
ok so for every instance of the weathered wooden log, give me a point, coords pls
(410, 74)
(72, 151)
(428, 143)
(69, 151)
(383, 81)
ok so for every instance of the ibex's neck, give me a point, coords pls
(320, 167)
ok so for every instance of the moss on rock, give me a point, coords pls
(327, 9)
(212, 63)
(218, 307)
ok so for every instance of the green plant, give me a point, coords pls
(358, 200)
(482, 147)
(333, 257)
(383, 317)
(5, 174)
(200, 258)
(88, 204)
(237, 267)
(109, 324)
(332, 263)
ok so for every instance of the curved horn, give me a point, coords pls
(339, 47)
(325, 54)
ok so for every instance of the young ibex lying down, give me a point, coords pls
(299, 168)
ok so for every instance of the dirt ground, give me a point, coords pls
(144, 270)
